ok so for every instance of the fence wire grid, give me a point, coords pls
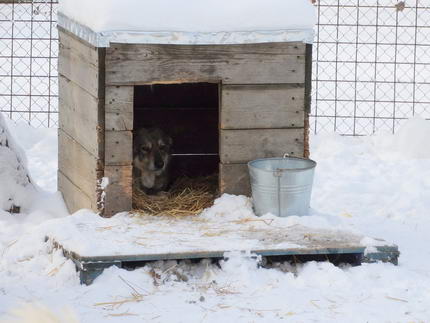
(371, 64)
(371, 68)
(28, 61)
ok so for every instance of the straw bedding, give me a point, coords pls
(187, 196)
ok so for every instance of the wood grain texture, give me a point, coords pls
(118, 148)
(119, 108)
(119, 191)
(308, 79)
(79, 116)
(74, 197)
(242, 146)
(234, 179)
(80, 63)
(79, 166)
(262, 106)
(269, 63)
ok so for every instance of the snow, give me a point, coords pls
(13, 174)
(366, 184)
(192, 21)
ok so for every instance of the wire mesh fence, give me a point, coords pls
(28, 61)
(371, 66)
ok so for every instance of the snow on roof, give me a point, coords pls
(188, 22)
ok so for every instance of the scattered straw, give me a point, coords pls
(134, 298)
(187, 196)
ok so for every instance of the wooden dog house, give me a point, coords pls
(226, 102)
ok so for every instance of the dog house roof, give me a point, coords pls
(102, 22)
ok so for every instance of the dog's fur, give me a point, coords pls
(151, 158)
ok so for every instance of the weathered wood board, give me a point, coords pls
(80, 62)
(80, 167)
(268, 63)
(79, 116)
(234, 179)
(241, 146)
(119, 108)
(81, 121)
(119, 189)
(262, 106)
(118, 148)
(74, 197)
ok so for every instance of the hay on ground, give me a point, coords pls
(187, 196)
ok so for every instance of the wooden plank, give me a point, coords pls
(74, 198)
(118, 148)
(262, 106)
(269, 63)
(90, 268)
(241, 146)
(186, 241)
(80, 63)
(81, 168)
(79, 116)
(308, 78)
(119, 108)
(119, 192)
(234, 179)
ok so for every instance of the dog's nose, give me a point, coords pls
(159, 164)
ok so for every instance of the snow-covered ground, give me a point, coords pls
(378, 185)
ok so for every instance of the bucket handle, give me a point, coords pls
(279, 172)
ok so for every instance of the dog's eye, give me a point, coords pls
(145, 149)
(163, 147)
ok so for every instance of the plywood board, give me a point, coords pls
(266, 63)
(262, 106)
(242, 146)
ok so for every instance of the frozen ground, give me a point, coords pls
(377, 185)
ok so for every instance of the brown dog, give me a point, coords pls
(151, 157)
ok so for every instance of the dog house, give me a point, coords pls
(228, 85)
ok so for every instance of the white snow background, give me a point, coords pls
(377, 185)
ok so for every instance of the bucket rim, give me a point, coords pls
(313, 162)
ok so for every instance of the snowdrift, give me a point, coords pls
(15, 183)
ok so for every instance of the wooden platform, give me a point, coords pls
(125, 241)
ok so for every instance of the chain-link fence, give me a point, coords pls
(371, 64)
(28, 61)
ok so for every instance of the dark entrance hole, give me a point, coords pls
(189, 113)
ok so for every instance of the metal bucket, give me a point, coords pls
(281, 186)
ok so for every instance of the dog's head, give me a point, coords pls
(152, 148)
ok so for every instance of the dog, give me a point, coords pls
(151, 159)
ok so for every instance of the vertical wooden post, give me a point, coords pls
(118, 149)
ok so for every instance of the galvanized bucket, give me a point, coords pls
(281, 186)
